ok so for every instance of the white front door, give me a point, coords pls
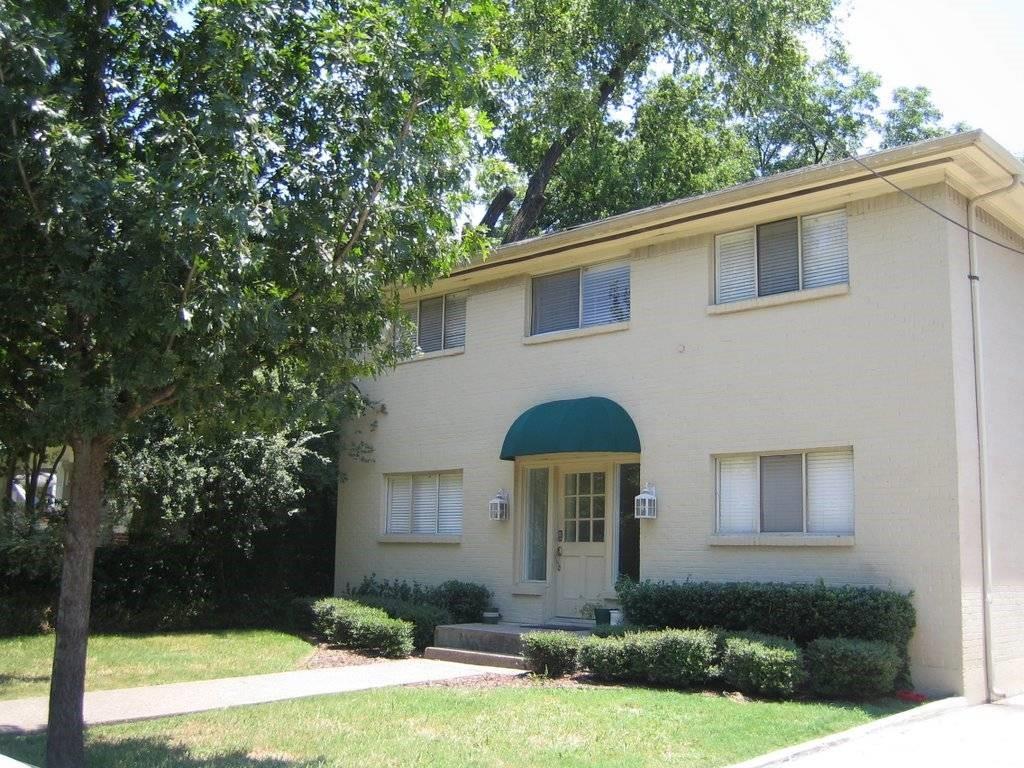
(583, 512)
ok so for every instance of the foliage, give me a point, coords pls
(675, 657)
(552, 654)
(912, 117)
(846, 667)
(463, 600)
(800, 611)
(761, 665)
(28, 613)
(361, 627)
(425, 618)
(615, 630)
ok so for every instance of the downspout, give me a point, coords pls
(991, 692)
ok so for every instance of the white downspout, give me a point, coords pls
(991, 692)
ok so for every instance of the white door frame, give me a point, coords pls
(557, 465)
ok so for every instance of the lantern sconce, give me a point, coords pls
(498, 506)
(645, 506)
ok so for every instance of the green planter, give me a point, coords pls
(603, 616)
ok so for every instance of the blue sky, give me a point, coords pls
(970, 53)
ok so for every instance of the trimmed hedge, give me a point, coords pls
(803, 612)
(424, 617)
(678, 657)
(761, 665)
(840, 667)
(464, 600)
(361, 627)
(552, 654)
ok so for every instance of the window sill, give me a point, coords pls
(398, 538)
(781, 540)
(530, 589)
(432, 355)
(778, 299)
(576, 333)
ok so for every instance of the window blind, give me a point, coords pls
(431, 330)
(736, 272)
(556, 302)
(782, 493)
(605, 295)
(399, 504)
(454, 321)
(778, 258)
(823, 242)
(737, 494)
(449, 503)
(830, 491)
(424, 503)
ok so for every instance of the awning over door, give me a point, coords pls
(584, 425)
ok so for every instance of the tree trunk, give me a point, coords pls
(65, 738)
(497, 207)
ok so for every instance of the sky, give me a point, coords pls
(970, 53)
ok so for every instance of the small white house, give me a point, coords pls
(809, 376)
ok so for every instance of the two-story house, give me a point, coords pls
(816, 376)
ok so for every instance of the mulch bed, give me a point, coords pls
(327, 656)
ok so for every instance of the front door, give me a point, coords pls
(581, 539)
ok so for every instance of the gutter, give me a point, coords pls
(991, 692)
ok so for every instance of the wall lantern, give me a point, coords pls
(645, 506)
(498, 506)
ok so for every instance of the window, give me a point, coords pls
(584, 507)
(787, 493)
(425, 504)
(537, 524)
(781, 256)
(440, 322)
(580, 298)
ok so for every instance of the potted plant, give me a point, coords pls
(491, 615)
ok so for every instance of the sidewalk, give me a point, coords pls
(27, 715)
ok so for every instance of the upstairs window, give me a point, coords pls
(425, 504)
(580, 298)
(782, 256)
(787, 493)
(440, 322)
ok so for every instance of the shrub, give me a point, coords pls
(27, 614)
(553, 654)
(841, 667)
(762, 665)
(464, 600)
(680, 658)
(361, 627)
(615, 630)
(424, 617)
(800, 611)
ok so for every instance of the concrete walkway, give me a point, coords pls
(27, 715)
(941, 734)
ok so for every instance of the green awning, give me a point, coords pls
(585, 425)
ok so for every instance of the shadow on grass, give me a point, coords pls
(8, 679)
(149, 753)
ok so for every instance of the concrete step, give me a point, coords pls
(486, 638)
(475, 657)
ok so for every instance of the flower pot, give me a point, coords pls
(616, 617)
(491, 617)
(603, 616)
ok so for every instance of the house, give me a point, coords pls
(790, 365)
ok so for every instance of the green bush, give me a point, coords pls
(27, 614)
(847, 667)
(800, 611)
(424, 617)
(676, 657)
(553, 654)
(464, 600)
(762, 665)
(361, 627)
(616, 630)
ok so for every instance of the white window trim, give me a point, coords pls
(579, 329)
(780, 298)
(414, 538)
(757, 537)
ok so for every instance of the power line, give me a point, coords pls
(672, 19)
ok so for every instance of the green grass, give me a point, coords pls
(521, 727)
(124, 661)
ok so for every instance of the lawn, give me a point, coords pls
(436, 726)
(123, 661)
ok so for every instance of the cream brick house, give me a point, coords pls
(790, 364)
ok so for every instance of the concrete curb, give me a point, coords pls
(923, 712)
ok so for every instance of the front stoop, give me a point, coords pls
(475, 657)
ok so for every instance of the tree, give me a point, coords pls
(679, 142)
(210, 219)
(912, 117)
(578, 59)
